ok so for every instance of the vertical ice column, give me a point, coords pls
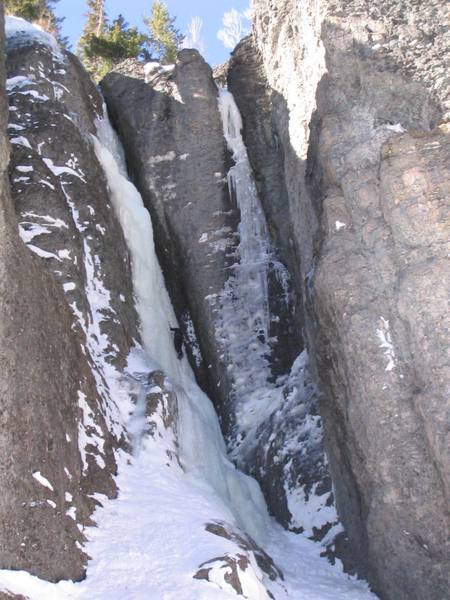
(245, 311)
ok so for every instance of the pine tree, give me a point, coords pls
(31, 10)
(116, 44)
(96, 19)
(95, 26)
(165, 39)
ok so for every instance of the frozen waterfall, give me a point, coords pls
(245, 304)
(202, 447)
(244, 323)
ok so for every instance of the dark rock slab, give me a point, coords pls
(42, 371)
(59, 190)
(172, 133)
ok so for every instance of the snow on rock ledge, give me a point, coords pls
(20, 33)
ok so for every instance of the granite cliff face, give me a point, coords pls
(79, 393)
(69, 319)
(171, 130)
(350, 148)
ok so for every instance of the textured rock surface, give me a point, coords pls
(69, 318)
(60, 193)
(337, 85)
(66, 218)
(173, 137)
(42, 371)
(174, 141)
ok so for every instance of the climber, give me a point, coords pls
(178, 341)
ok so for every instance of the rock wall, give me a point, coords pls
(177, 154)
(40, 466)
(60, 192)
(170, 127)
(351, 94)
(345, 109)
(68, 319)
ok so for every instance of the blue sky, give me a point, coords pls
(210, 11)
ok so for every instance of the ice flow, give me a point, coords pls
(202, 449)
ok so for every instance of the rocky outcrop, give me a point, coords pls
(68, 318)
(345, 108)
(174, 144)
(239, 572)
(43, 371)
(177, 154)
(349, 98)
(69, 314)
(60, 192)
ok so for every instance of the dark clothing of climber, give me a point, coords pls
(178, 341)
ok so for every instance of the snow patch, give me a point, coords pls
(89, 433)
(28, 231)
(35, 249)
(42, 480)
(384, 335)
(72, 513)
(309, 511)
(35, 94)
(18, 82)
(21, 141)
(61, 170)
(397, 127)
(154, 160)
(25, 32)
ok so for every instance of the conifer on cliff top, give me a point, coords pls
(117, 42)
(103, 45)
(95, 26)
(165, 39)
